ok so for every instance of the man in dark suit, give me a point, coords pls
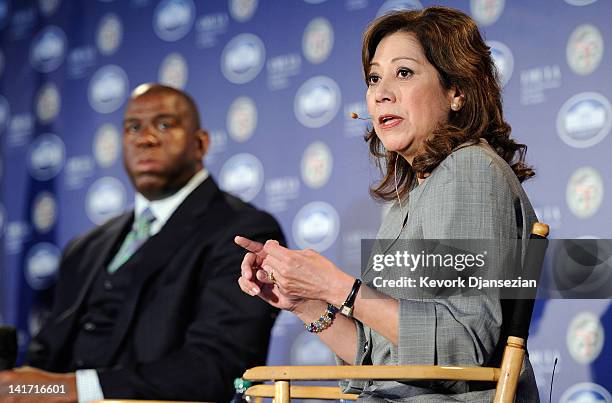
(147, 305)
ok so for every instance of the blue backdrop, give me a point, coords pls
(276, 81)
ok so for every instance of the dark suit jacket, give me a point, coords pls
(186, 329)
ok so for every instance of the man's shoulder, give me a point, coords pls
(84, 239)
(221, 202)
(241, 211)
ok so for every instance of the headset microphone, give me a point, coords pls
(356, 116)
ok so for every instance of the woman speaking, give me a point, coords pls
(451, 171)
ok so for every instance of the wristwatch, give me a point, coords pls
(347, 308)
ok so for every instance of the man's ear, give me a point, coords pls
(203, 140)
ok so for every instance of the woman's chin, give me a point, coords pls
(396, 146)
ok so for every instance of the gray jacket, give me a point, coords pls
(473, 193)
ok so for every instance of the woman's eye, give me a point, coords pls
(404, 73)
(373, 79)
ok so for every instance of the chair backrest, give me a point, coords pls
(517, 329)
(517, 312)
(534, 258)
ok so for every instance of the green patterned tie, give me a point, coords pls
(140, 232)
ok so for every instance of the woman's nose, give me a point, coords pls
(385, 92)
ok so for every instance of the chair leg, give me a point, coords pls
(514, 353)
(281, 392)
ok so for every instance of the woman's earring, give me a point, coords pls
(455, 106)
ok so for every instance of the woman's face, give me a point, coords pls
(405, 98)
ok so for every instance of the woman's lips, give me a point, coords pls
(389, 121)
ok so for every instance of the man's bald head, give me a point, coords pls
(191, 110)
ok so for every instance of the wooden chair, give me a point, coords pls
(505, 376)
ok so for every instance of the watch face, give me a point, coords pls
(347, 311)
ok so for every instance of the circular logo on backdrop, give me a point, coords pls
(316, 164)
(173, 19)
(584, 120)
(390, 6)
(503, 59)
(316, 226)
(48, 103)
(585, 49)
(107, 89)
(486, 12)
(48, 7)
(44, 212)
(107, 145)
(243, 58)
(585, 337)
(584, 192)
(586, 392)
(4, 113)
(242, 10)
(105, 199)
(48, 49)
(314, 1)
(317, 101)
(242, 175)
(173, 71)
(242, 119)
(110, 33)
(318, 40)
(41, 265)
(46, 156)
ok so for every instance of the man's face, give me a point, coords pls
(162, 147)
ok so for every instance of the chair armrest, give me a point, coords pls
(377, 372)
(303, 392)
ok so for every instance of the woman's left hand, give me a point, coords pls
(306, 274)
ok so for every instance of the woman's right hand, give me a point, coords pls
(255, 281)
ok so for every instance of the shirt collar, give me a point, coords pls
(164, 208)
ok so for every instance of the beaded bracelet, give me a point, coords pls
(324, 320)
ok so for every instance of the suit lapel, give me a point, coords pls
(154, 255)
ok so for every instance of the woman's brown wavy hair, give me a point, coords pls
(453, 45)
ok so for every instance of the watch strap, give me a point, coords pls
(347, 307)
